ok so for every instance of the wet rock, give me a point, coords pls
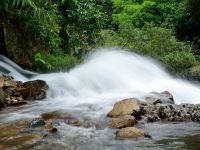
(173, 113)
(1, 83)
(50, 127)
(14, 101)
(193, 111)
(2, 98)
(170, 112)
(57, 122)
(122, 122)
(16, 135)
(153, 100)
(160, 106)
(61, 117)
(53, 130)
(88, 123)
(37, 122)
(168, 95)
(149, 113)
(12, 91)
(73, 122)
(160, 98)
(34, 90)
(56, 115)
(130, 133)
(125, 107)
(9, 94)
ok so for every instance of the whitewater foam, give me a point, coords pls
(119, 72)
(106, 76)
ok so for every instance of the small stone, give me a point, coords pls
(73, 122)
(122, 122)
(130, 133)
(53, 130)
(36, 122)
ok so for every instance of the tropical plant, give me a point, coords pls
(81, 22)
(7, 8)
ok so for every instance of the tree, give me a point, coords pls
(81, 21)
(7, 8)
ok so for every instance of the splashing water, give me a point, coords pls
(105, 77)
(91, 89)
(116, 72)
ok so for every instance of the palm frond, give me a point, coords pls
(21, 3)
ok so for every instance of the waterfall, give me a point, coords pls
(105, 77)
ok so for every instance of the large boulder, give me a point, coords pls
(122, 122)
(125, 107)
(130, 133)
(34, 90)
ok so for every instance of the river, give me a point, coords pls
(89, 91)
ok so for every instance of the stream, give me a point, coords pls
(88, 92)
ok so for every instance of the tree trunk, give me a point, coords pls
(3, 46)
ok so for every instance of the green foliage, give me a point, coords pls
(38, 58)
(64, 30)
(43, 25)
(159, 12)
(151, 27)
(137, 14)
(180, 61)
(46, 62)
(157, 42)
(81, 22)
(6, 5)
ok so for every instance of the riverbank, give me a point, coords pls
(14, 92)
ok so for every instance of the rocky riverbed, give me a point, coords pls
(156, 123)
(14, 93)
(159, 107)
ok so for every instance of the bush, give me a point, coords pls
(157, 42)
(180, 61)
(46, 62)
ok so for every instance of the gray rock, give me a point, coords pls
(2, 98)
(160, 98)
(37, 122)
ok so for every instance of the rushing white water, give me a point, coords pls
(8, 66)
(116, 72)
(89, 91)
(105, 77)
